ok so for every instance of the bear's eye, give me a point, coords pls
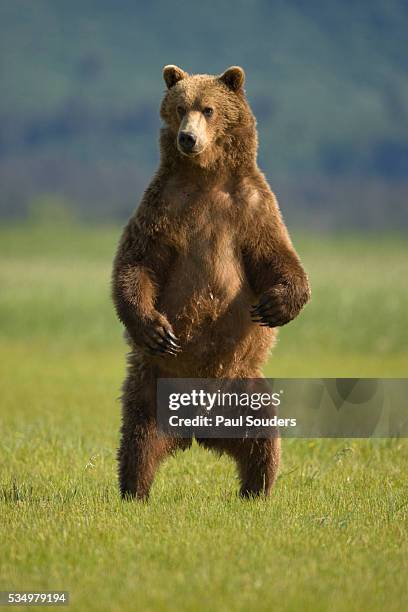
(181, 111)
(208, 111)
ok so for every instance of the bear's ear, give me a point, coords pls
(233, 78)
(172, 75)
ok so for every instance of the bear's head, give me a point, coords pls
(207, 118)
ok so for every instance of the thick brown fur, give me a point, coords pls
(206, 243)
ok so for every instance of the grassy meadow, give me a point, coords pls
(333, 536)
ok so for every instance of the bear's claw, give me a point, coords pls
(268, 312)
(161, 341)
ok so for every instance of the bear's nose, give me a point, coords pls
(187, 141)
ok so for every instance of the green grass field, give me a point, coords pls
(333, 536)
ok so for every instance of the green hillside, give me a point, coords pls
(81, 85)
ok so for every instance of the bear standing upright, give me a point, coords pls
(206, 243)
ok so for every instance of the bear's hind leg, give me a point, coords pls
(140, 453)
(258, 463)
(141, 447)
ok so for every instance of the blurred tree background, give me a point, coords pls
(81, 87)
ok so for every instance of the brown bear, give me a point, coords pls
(204, 273)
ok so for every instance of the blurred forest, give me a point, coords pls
(81, 86)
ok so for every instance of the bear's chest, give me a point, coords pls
(207, 265)
(203, 220)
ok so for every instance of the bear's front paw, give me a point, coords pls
(158, 338)
(274, 308)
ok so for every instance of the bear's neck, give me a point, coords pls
(236, 154)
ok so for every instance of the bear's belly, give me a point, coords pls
(207, 300)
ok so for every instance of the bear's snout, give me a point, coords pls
(187, 141)
(192, 135)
